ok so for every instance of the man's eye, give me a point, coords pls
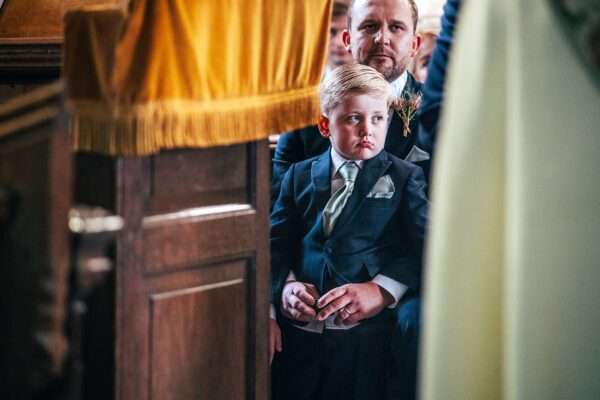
(396, 28)
(353, 119)
(378, 118)
(370, 27)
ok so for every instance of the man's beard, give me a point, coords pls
(390, 69)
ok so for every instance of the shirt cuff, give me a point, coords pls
(272, 313)
(393, 287)
(291, 277)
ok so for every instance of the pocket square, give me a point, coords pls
(383, 188)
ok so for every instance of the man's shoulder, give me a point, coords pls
(307, 133)
(300, 144)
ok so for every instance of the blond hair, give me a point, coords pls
(351, 79)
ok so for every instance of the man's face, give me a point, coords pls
(382, 36)
(357, 126)
(338, 54)
(418, 65)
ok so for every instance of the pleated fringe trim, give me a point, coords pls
(146, 129)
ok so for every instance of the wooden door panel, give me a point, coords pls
(187, 326)
(173, 245)
(185, 179)
(192, 278)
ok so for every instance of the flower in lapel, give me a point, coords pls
(406, 106)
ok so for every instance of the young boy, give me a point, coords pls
(346, 241)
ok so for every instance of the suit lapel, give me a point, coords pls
(395, 142)
(371, 171)
(321, 179)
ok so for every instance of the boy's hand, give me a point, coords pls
(353, 302)
(274, 339)
(298, 300)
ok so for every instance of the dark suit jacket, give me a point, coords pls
(372, 235)
(433, 89)
(307, 142)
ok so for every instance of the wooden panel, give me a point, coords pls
(35, 165)
(170, 245)
(175, 331)
(39, 21)
(185, 333)
(184, 178)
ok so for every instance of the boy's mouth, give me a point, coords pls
(366, 145)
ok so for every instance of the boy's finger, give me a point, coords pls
(299, 316)
(331, 296)
(333, 307)
(354, 318)
(312, 290)
(306, 297)
(297, 303)
(306, 310)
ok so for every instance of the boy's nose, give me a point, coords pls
(365, 130)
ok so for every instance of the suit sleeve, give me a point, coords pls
(405, 266)
(433, 89)
(285, 235)
(288, 151)
(414, 217)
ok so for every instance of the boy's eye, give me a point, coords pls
(378, 118)
(353, 119)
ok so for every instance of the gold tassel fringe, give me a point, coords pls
(146, 129)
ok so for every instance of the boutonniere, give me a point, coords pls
(406, 106)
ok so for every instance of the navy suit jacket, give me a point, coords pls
(371, 236)
(307, 142)
(433, 90)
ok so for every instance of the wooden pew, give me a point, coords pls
(175, 309)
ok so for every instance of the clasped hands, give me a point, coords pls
(350, 303)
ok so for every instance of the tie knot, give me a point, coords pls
(348, 171)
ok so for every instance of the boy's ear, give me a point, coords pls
(324, 126)
(346, 39)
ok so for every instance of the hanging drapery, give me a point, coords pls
(190, 73)
(511, 294)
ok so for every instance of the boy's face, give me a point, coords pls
(357, 126)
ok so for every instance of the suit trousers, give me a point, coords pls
(405, 349)
(348, 364)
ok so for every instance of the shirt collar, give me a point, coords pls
(397, 86)
(337, 160)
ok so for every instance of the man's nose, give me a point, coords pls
(381, 36)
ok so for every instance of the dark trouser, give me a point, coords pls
(405, 349)
(347, 364)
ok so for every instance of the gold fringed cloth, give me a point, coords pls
(191, 73)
